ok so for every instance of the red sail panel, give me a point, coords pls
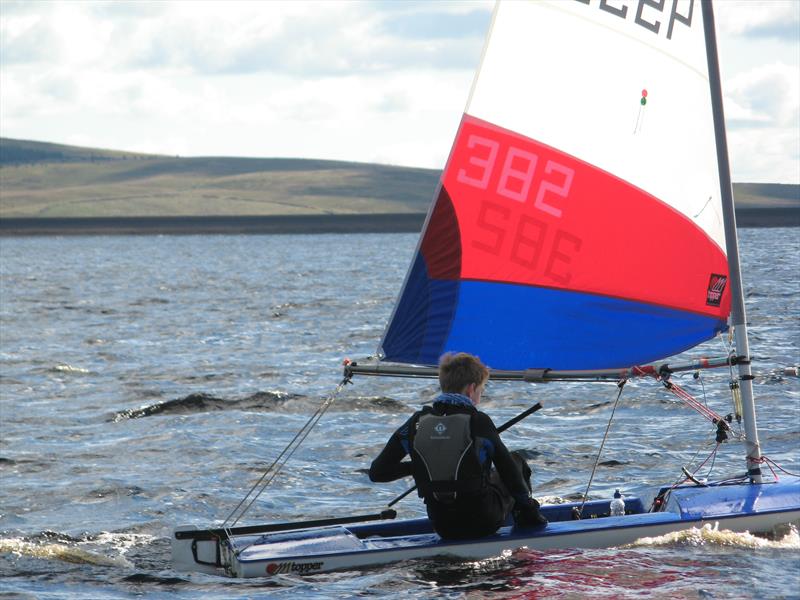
(532, 215)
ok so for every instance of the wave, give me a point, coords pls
(64, 368)
(712, 535)
(105, 549)
(28, 464)
(144, 578)
(260, 401)
(62, 552)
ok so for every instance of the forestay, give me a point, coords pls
(578, 222)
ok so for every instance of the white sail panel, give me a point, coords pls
(536, 81)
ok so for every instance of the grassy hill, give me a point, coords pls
(40, 180)
(49, 180)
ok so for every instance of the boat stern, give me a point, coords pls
(192, 551)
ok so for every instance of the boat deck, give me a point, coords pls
(418, 533)
(253, 553)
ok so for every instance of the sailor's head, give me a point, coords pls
(462, 373)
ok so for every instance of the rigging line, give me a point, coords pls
(774, 474)
(298, 439)
(769, 461)
(713, 462)
(272, 466)
(687, 399)
(699, 376)
(620, 385)
(728, 345)
(280, 466)
(712, 454)
(317, 416)
(286, 454)
(732, 378)
(692, 402)
(678, 481)
(282, 459)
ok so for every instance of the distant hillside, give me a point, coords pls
(65, 181)
(25, 151)
(43, 180)
(757, 195)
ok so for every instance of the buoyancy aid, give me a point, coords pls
(444, 457)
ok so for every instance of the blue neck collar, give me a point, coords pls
(455, 400)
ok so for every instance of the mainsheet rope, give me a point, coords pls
(620, 385)
(276, 466)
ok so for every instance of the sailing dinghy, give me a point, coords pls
(583, 225)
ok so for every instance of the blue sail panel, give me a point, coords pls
(422, 318)
(522, 327)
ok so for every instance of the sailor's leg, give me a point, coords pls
(524, 468)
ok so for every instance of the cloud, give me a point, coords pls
(766, 155)
(768, 96)
(366, 81)
(762, 110)
(115, 10)
(314, 39)
(26, 38)
(427, 25)
(778, 19)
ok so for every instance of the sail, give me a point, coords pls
(578, 222)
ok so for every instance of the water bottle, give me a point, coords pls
(617, 506)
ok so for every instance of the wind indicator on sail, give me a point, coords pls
(640, 115)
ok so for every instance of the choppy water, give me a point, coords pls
(146, 382)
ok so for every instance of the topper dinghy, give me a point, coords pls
(583, 224)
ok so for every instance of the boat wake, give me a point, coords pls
(105, 549)
(260, 402)
(708, 535)
(61, 552)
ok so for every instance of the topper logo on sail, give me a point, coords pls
(716, 286)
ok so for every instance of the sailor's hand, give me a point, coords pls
(528, 515)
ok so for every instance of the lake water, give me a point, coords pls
(147, 382)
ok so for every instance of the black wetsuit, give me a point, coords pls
(472, 514)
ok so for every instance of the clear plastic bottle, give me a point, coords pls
(617, 506)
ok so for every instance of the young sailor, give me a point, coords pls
(452, 447)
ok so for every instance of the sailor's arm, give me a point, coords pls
(506, 467)
(389, 464)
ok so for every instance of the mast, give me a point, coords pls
(738, 315)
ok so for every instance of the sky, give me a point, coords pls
(370, 81)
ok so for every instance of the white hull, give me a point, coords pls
(304, 551)
(489, 548)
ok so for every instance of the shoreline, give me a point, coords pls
(289, 224)
(210, 225)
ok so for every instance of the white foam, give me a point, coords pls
(70, 369)
(63, 552)
(721, 537)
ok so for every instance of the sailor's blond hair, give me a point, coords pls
(457, 371)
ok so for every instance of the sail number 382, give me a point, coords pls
(517, 174)
(526, 237)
